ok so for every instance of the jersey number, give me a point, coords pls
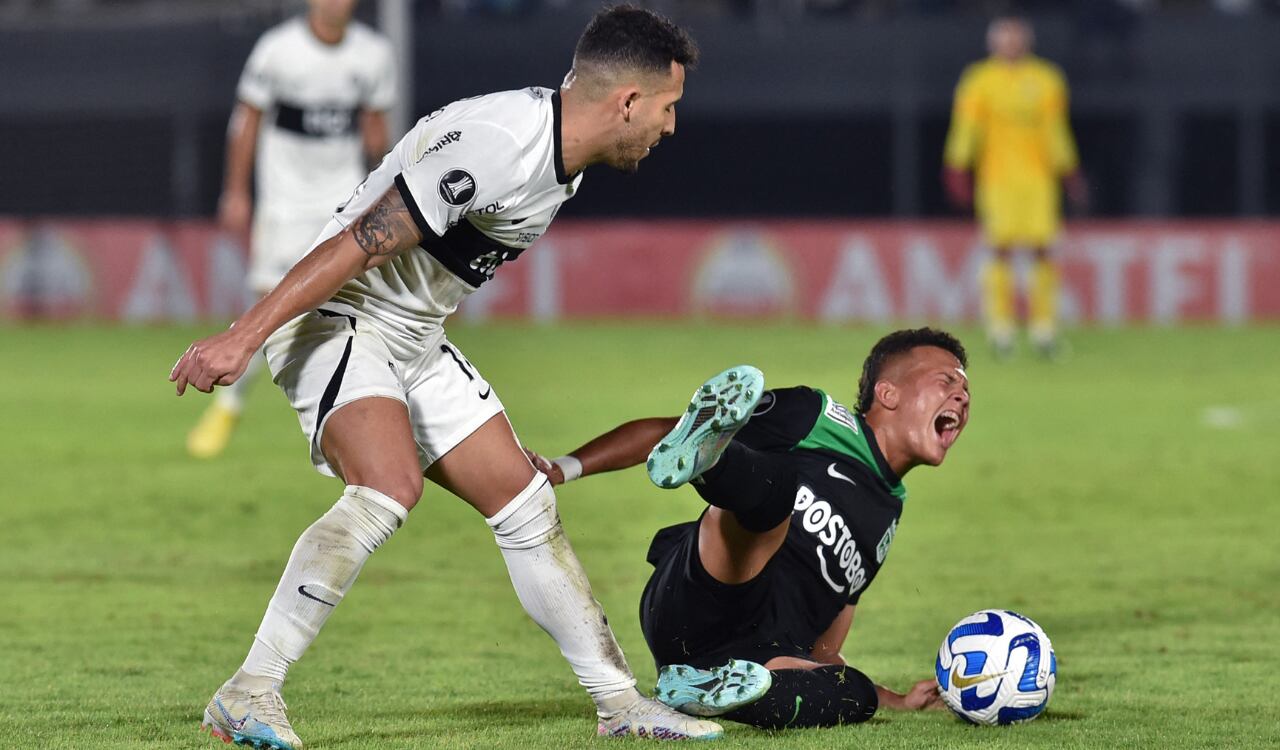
(462, 362)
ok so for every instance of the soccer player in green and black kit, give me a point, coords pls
(804, 497)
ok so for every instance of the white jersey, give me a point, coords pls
(310, 152)
(482, 178)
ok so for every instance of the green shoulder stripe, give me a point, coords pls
(837, 430)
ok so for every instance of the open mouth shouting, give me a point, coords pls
(947, 424)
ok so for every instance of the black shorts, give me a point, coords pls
(688, 617)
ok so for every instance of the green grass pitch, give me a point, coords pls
(1126, 499)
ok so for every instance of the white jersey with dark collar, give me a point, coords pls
(482, 178)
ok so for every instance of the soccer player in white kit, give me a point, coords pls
(311, 107)
(354, 337)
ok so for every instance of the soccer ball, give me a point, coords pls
(996, 667)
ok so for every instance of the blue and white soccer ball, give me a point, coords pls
(996, 667)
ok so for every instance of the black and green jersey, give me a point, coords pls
(848, 500)
(846, 506)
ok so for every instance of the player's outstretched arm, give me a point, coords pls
(381, 233)
(622, 447)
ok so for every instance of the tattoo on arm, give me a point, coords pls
(386, 228)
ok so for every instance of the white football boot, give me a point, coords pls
(651, 720)
(248, 710)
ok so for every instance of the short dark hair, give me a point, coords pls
(626, 36)
(900, 342)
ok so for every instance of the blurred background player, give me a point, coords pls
(1009, 129)
(323, 84)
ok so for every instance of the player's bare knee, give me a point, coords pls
(402, 485)
(405, 488)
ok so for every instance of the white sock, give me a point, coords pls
(232, 397)
(555, 592)
(324, 564)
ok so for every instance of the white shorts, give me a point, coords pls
(280, 239)
(324, 360)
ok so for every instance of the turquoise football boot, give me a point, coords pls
(712, 692)
(717, 411)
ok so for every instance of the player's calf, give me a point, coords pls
(322, 568)
(823, 697)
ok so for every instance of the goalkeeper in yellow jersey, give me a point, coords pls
(1009, 129)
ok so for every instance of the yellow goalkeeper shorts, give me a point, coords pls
(1020, 216)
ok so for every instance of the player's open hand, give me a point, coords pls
(544, 465)
(216, 360)
(923, 696)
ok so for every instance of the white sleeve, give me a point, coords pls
(382, 95)
(256, 85)
(468, 166)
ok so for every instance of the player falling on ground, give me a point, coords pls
(310, 106)
(804, 499)
(354, 337)
(1009, 127)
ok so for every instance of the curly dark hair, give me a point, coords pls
(900, 342)
(627, 36)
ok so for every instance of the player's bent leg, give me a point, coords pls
(364, 440)
(369, 442)
(715, 691)
(718, 409)
(485, 469)
(824, 696)
(321, 570)
(752, 495)
(751, 492)
(731, 554)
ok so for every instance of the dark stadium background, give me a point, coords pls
(119, 107)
